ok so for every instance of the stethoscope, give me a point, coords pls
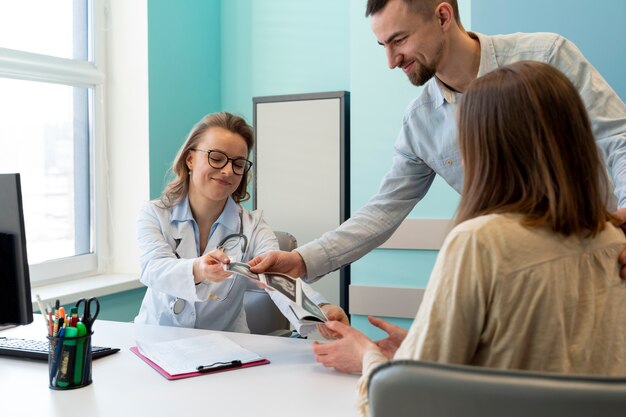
(226, 244)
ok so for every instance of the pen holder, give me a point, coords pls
(69, 361)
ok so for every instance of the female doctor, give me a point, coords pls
(197, 226)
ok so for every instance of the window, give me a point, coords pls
(50, 103)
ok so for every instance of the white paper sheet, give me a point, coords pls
(185, 355)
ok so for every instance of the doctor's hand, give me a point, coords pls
(333, 313)
(388, 345)
(210, 267)
(290, 263)
(620, 215)
(345, 354)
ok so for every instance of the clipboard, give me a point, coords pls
(170, 377)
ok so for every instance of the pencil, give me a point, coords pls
(43, 313)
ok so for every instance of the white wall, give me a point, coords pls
(126, 94)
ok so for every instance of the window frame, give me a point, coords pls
(30, 66)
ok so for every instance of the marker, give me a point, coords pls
(68, 350)
(81, 330)
(72, 317)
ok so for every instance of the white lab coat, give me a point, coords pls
(168, 277)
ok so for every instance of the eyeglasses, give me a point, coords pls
(219, 160)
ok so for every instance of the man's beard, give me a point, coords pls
(421, 75)
(425, 72)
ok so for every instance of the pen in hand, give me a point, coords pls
(219, 365)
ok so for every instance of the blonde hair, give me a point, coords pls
(178, 187)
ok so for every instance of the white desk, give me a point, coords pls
(123, 385)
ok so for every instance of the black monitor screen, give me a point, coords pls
(15, 302)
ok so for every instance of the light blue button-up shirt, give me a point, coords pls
(426, 146)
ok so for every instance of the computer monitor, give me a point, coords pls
(15, 302)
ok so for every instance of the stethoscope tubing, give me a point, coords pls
(178, 305)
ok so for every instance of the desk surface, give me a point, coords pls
(123, 385)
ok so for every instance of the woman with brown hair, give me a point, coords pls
(197, 226)
(528, 279)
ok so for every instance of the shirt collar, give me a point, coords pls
(181, 212)
(445, 93)
(488, 61)
(229, 217)
(487, 64)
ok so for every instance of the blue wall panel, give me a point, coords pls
(597, 29)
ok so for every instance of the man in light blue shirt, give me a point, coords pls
(427, 41)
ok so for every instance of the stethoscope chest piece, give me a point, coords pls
(178, 305)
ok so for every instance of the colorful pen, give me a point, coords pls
(55, 361)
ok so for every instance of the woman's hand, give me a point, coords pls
(210, 267)
(390, 344)
(346, 353)
(620, 215)
(333, 313)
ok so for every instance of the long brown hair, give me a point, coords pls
(178, 187)
(528, 148)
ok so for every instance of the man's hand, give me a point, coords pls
(333, 313)
(345, 354)
(388, 345)
(620, 215)
(290, 263)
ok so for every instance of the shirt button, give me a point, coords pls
(449, 162)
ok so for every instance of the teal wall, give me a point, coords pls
(122, 306)
(273, 47)
(378, 99)
(184, 75)
(210, 55)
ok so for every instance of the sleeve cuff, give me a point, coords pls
(315, 260)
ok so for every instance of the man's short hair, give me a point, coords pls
(421, 7)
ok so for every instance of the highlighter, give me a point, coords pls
(80, 353)
(68, 355)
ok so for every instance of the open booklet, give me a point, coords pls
(289, 294)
